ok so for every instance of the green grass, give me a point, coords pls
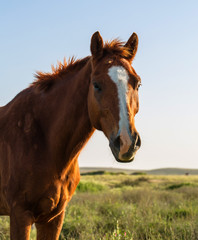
(131, 207)
(85, 186)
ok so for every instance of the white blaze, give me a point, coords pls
(120, 77)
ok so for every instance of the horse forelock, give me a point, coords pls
(116, 47)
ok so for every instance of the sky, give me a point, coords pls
(35, 34)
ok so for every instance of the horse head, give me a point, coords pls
(113, 94)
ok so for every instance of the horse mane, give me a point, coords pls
(44, 81)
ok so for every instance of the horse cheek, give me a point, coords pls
(94, 111)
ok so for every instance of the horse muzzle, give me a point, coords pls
(124, 147)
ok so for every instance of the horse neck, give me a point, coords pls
(69, 126)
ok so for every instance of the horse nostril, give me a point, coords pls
(138, 141)
(118, 142)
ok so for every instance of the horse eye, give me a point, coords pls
(96, 86)
(139, 84)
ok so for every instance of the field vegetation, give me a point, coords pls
(110, 206)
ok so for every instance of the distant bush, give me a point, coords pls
(138, 173)
(115, 173)
(179, 185)
(102, 173)
(90, 187)
(93, 173)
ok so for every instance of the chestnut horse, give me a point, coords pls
(44, 128)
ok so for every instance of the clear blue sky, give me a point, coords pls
(35, 34)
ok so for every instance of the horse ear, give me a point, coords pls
(132, 45)
(96, 45)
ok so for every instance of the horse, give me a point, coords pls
(44, 128)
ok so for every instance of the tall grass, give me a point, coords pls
(135, 207)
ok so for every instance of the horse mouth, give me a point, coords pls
(126, 158)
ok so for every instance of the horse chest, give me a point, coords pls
(54, 201)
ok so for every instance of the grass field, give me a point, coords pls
(139, 207)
